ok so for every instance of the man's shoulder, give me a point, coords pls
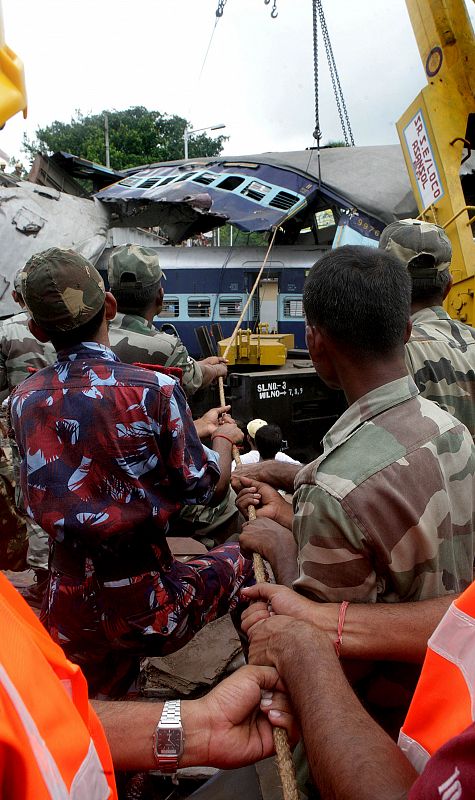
(391, 437)
(118, 374)
(134, 345)
(435, 325)
(16, 326)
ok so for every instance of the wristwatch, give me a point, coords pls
(168, 738)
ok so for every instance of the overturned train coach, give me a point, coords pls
(316, 200)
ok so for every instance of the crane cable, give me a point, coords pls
(283, 754)
(319, 17)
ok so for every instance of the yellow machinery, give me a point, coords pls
(436, 132)
(12, 80)
(263, 349)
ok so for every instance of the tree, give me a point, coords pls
(136, 136)
(335, 143)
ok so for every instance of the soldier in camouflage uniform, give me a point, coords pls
(21, 354)
(440, 355)
(135, 279)
(387, 512)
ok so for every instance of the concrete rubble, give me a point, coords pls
(193, 670)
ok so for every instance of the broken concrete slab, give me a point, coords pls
(198, 666)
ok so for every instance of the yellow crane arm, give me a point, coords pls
(12, 80)
(438, 128)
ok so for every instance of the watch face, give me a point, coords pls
(169, 742)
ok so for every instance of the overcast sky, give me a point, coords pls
(258, 78)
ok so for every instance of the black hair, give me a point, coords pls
(268, 441)
(426, 288)
(62, 340)
(361, 297)
(136, 301)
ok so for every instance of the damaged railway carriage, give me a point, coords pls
(315, 201)
(336, 197)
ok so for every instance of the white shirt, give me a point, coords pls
(253, 457)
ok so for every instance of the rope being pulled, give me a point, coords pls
(285, 765)
(282, 750)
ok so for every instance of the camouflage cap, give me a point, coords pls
(408, 239)
(134, 267)
(61, 289)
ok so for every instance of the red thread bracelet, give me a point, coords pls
(341, 622)
(222, 436)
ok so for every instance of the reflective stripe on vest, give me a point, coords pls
(89, 782)
(444, 701)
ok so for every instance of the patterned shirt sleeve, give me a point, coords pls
(334, 559)
(193, 469)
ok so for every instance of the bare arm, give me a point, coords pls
(376, 631)
(279, 474)
(349, 755)
(222, 441)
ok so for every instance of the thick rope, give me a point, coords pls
(285, 764)
(283, 754)
(246, 306)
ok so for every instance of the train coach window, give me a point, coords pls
(230, 306)
(293, 307)
(199, 307)
(256, 190)
(230, 183)
(325, 219)
(170, 308)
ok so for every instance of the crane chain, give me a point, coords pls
(317, 134)
(220, 8)
(335, 78)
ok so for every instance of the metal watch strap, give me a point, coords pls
(170, 720)
(171, 713)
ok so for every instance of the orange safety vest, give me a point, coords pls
(52, 746)
(443, 704)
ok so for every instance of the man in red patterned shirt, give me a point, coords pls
(109, 453)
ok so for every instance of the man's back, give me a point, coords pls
(106, 446)
(20, 352)
(440, 355)
(387, 513)
(133, 340)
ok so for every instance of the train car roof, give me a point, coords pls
(373, 180)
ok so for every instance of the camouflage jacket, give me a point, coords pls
(440, 355)
(134, 340)
(387, 513)
(19, 350)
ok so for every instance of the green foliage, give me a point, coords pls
(240, 238)
(335, 143)
(136, 136)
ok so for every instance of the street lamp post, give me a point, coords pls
(187, 133)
